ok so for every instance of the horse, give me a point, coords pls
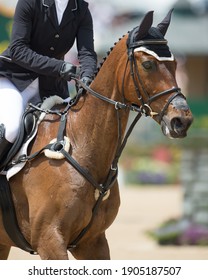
(67, 205)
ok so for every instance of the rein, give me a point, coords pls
(117, 104)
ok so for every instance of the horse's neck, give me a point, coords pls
(94, 125)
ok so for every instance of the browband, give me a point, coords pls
(152, 53)
(147, 42)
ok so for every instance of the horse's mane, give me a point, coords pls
(107, 54)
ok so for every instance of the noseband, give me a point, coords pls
(134, 71)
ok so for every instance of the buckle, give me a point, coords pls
(147, 111)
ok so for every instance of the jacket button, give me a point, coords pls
(57, 36)
(52, 48)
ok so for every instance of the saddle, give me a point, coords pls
(27, 130)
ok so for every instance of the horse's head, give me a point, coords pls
(152, 70)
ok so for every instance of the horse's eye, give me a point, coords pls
(148, 65)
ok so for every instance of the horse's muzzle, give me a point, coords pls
(178, 119)
(176, 128)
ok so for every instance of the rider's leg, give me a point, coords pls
(11, 110)
(12, 106)
(31, 94)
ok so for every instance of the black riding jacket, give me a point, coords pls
(39, 43)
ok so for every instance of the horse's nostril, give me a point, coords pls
(177, 124)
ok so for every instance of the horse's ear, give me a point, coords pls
(144, 26)
(163, 26)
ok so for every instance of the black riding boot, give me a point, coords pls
(4, 144)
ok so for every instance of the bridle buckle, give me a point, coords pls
(147, 111)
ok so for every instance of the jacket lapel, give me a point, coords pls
(68, 13)
(52, 15)
(50, 10)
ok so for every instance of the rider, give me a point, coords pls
(33, 65)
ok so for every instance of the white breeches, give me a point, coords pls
(13, 104)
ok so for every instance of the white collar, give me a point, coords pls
(60, 8)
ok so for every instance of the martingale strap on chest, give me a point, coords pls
(146, 100)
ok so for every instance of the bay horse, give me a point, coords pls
(54, 200)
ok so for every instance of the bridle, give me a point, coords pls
(145, 99)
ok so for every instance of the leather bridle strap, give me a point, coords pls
(117, 104)
(168, 91)
(177, 93)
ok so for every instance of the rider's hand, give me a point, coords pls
(68, 71)
(86, 80)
